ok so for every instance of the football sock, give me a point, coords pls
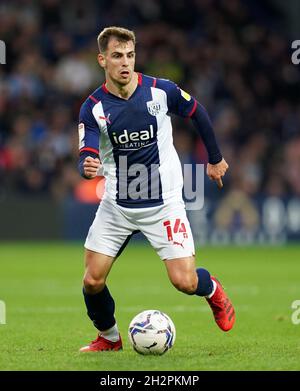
(205, 283)
(100, 308)
(111, 334)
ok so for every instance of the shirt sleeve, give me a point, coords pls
(88, 129)
(203, 124)
(183, 104)
(179, 101)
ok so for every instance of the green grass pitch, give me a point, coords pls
(46, 321)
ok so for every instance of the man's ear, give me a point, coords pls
(101, 60)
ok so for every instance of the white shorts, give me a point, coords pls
(166, 227)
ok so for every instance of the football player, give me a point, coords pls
(125, 130)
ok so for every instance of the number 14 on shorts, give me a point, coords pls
(175, 227)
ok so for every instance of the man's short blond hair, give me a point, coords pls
(120, 33)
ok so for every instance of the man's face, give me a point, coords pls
(118, 61)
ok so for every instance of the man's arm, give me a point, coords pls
(183, 104)
(217, 166)
(89, 136)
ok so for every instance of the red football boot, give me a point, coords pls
(101, 345)
(222, 308)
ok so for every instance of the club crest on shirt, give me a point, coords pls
(153, 107)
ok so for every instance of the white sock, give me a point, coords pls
(111, 334)
(213, 291)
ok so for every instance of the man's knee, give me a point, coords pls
(182, 274)
(97, 268)
(185, 284)
(93, 285)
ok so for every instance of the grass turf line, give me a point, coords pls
(47, 321)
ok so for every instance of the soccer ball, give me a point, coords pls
(151, 332)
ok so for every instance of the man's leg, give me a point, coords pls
(99, 302)
(186, 278)
(168, 230)
(106, 239)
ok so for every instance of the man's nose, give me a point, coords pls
(125, 61)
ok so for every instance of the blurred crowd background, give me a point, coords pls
(233, 56)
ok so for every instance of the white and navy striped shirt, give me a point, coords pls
(134, 141)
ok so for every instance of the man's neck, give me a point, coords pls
(122, 91)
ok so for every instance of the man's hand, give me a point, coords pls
(215, 172)
(91, 166)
